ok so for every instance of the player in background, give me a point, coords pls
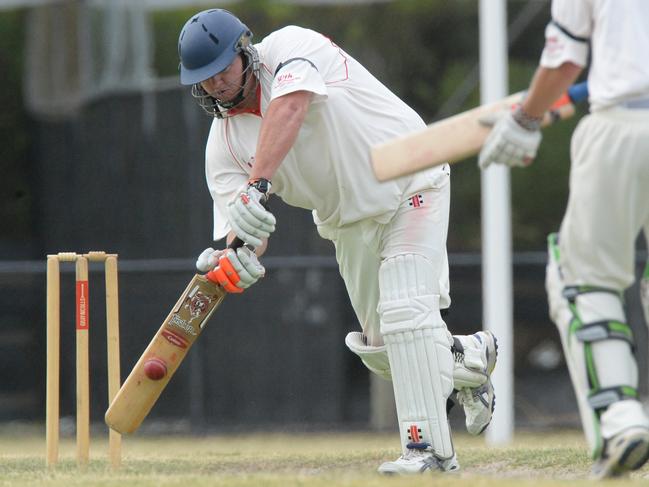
(591, 261)
(295, 116)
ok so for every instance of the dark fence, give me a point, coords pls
(272, 358)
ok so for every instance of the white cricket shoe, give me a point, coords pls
(626, 451)
(479, 402)
(416, 461)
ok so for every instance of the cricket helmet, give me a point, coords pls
(209, 42)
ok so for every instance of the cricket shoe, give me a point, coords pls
(478, 402)
(416, 461)
(624, 452)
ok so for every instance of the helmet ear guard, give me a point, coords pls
(251, 56)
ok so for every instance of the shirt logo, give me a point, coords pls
(284, 77)
(286, 80)
(553, 46)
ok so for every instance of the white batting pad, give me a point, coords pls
(469, 372)
(419, 350)
(614, 359)
(621, 415)
(374, 358)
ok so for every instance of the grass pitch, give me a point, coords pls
(305, 460)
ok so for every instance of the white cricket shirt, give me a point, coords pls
(618, 31)
(328, 169)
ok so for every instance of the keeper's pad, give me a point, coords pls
(419, 350)
(599, 349)
(469, 368)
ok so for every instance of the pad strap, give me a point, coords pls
(603, 330)
(571, 292)
(602, 398)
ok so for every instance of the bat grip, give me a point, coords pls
(236, 243)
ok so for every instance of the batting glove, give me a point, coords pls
(237, 270)
(509, 142)
(248, 218)
(208, 259)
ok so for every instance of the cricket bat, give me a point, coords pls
(163, 356)
(457, 137)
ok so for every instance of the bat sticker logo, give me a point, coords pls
(198, 304)
(184, 325)
(174, 339)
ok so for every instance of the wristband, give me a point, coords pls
(260, 184)
(526, 121)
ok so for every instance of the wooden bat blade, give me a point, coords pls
(451, 139)
(455, 138)
(169, 347)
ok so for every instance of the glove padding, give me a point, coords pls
(508, 143)
(249, 220)
(208, 259)
(236, 270)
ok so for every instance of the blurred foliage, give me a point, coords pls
(421, 49)
(15, 195)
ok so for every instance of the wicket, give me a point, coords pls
(82, 354)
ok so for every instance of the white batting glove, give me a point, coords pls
(509, 143)
(208, 259)
(237, 270)
(249, 220)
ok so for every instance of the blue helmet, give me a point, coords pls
(209, 43)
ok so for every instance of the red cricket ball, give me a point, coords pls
(155, 368)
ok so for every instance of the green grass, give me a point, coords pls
(305, 460)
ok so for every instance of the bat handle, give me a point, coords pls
(236, 243)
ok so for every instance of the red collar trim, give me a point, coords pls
(253, 111)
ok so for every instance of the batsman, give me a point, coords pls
(295, 116)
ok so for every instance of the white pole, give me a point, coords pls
(496, 224)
